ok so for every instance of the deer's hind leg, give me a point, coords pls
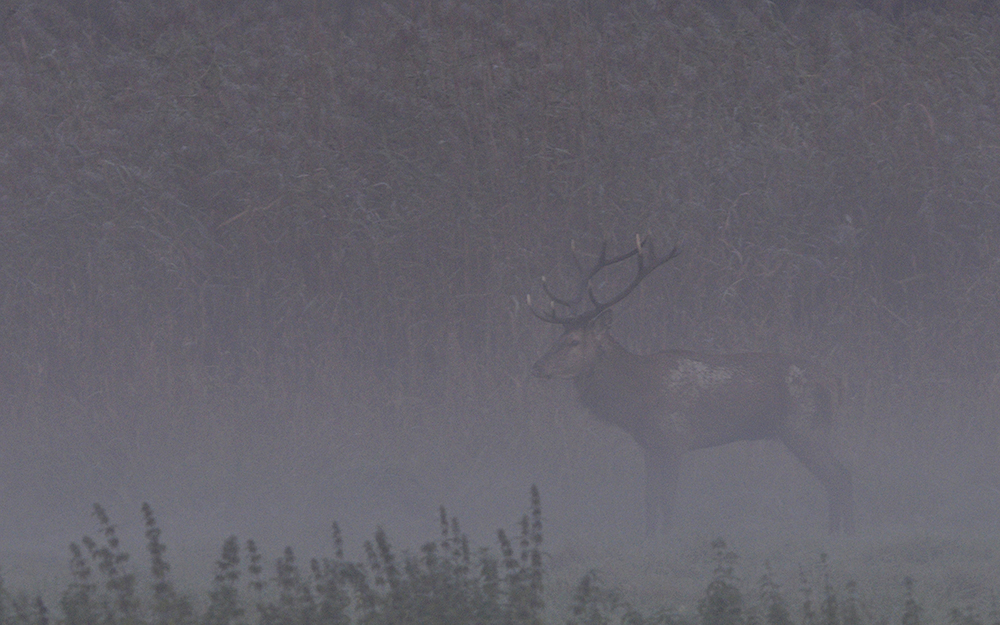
(834, 476)
(813, 398)
(661, 489)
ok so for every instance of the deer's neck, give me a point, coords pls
(620, 390)
(613, 389)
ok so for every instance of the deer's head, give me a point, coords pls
(579, 347)
(576, 351)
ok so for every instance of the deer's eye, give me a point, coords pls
(573, 342)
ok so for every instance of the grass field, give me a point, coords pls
(908, 578)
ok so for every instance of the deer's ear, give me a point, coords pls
(602, 322)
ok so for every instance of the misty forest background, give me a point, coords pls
(265, 264)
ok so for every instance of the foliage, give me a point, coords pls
(446, 582)
(723, 602)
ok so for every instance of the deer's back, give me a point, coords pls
(713, 399)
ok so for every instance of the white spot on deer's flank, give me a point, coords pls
(796, 376)
(699, 374)
(797, 383)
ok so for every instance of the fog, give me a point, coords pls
(267, 275)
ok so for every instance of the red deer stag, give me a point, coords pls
(675, 401)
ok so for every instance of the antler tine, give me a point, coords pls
(550, 315)
(639, 243)
(589, 275)
(642, 270)
(568, 303)
(642, 250)
(586, 275)
(579, 269)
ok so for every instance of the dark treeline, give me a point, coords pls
(221, 217)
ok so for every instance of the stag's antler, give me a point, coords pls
(643, 250)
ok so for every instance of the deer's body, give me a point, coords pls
(675, 401)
